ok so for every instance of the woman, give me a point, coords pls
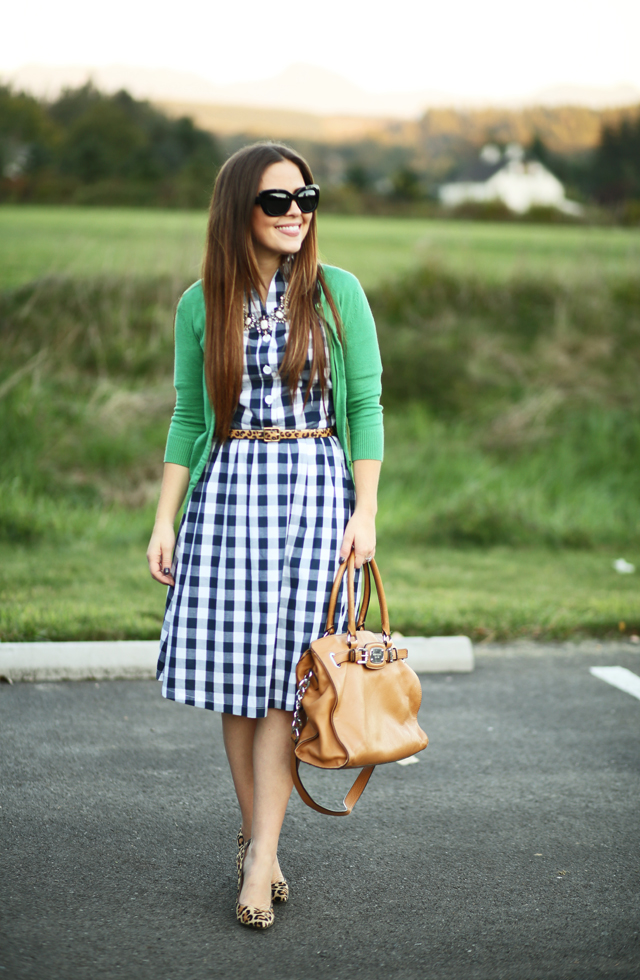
(275, 445)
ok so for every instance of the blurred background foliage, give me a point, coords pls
(87, 147)
(512, 407)
(90, 148)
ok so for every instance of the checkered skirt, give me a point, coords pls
(257, 550)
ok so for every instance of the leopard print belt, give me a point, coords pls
(274, 433)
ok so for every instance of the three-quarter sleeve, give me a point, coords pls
(188, 420)
(362, 366)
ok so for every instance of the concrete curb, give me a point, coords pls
(439, 654)
(136, 660)
(108, 660)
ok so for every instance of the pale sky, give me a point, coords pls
(493, 48)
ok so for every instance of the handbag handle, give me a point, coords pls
(350, 800)
(349, 566)
(366, 596)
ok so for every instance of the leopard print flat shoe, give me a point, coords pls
(250, 915)
(279, 889)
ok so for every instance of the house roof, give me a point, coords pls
(478, 171)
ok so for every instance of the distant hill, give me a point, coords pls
(444, 138)
(437, 141)
(261, 122)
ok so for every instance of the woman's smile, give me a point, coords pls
(290, 229)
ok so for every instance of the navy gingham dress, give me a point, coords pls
(258, 546)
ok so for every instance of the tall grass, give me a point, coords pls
(514, 415)
(513, 439)
(579, 488)
(85, 396)
(512, 410)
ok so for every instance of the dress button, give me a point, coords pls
(268, 399)
(267, 369)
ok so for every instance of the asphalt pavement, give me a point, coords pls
(509, 851)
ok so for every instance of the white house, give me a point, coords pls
(510, 179)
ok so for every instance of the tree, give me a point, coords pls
(103, 148)
(119, 136)
(616, 165)
(406, 184)
(357, 177)
(26, 133)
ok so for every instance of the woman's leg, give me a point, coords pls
(258, 751)
(238, 733)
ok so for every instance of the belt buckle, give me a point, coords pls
(272, 433)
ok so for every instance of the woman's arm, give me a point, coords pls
(188, 421)
(360, 532)
(364, 413)
(175, 481)
(187, 424)
(363, 370)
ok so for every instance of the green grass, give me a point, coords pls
(501, 593)
(523, 427)
(378, 248)
(90, 588)
(97, 587)
(73, 241)
(80, 242)
(441, 487)
(511, 477)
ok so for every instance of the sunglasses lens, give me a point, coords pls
(308, 198)
(275, 203)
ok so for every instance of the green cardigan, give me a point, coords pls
(355, 376)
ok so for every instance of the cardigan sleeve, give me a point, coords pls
(188, 420)
(363, 371)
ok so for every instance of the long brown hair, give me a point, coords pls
(230, 272)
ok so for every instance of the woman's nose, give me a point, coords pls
(294, 210)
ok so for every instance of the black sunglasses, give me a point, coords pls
(275, 203)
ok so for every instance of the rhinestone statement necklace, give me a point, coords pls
(264, 323)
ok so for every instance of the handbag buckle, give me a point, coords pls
(373, 656)
(376, 656)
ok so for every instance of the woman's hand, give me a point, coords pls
(359, 536)
(360, 532)
(175, 481)
(160, 552)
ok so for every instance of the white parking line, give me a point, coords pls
(620, 677)
(409, 761)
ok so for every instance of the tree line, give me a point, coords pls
(89, 147)
(94, 148)
(609, 174)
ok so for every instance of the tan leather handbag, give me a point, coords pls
(357, 699)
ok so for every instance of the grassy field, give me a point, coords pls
(97, 587)
(512, 476)
(45, 241)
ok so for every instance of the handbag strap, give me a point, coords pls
(350, 800)
(366, 596)
(349, 566)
